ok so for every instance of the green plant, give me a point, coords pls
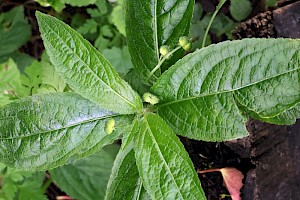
(22, 185)
(206, 95)
(14, 32)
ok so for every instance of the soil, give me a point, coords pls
(268, 157)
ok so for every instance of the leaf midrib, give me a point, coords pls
(93, 73)
(65, 127)
(161, 156)
(227, 91)
(155, 30)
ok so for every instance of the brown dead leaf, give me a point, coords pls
(233, 180)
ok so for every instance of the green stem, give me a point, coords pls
(162, 61)
(47, 184)
(219, 6)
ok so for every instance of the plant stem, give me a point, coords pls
(47, 184)
(162, 61)
(208, 170)
(219, 6)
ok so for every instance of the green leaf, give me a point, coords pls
(125, 182)
(288, 117)
(151, 24)
(14, 30)
(21, 59)
(199, 92)
(89, 26)
(136, 83)
(119, 58)
(49, 76)
(31, 188)
(21, 185)
(31, 79)
(272, 3)
(117, 17)
(86, 178)
(240, 9)
(45, 131)
(10, 82)
(85, 69)
(56, 4)
(128, 137)
(79, 3)
(165, 167)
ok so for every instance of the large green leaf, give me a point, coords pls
(151, 24)
(45, 131)
(165, 167)
(288, 117)
(199, 92)
(90, 174)
(85, 69)
(125, 181)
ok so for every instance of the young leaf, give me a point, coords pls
(151, 24)
(45, 131)
(125, 182)
(85, 69)
(165, 167)
(199, 91)
(90, 174)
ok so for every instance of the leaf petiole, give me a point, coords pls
(162, 61)
(219, 6)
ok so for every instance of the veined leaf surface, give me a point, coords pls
(199, 92)
(165, 167)
(151, 24)
(45, 131)
(125, 181)
(90, 174)
(85, 69)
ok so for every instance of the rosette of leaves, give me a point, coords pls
(206, 95)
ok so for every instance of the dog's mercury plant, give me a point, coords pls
(206, 95)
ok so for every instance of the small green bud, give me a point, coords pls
(150, 98)
(164, 50)
(183, 41)
(188, 46)
(110, 126)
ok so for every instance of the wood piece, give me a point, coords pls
(274, 150)
(287, 20)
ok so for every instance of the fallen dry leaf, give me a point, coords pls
(233, 180)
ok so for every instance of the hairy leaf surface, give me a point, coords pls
(151, 24)
(199, 92)
(164, 165)
(125, 181)
(85, 69)
(86, 178)
(45, 131)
